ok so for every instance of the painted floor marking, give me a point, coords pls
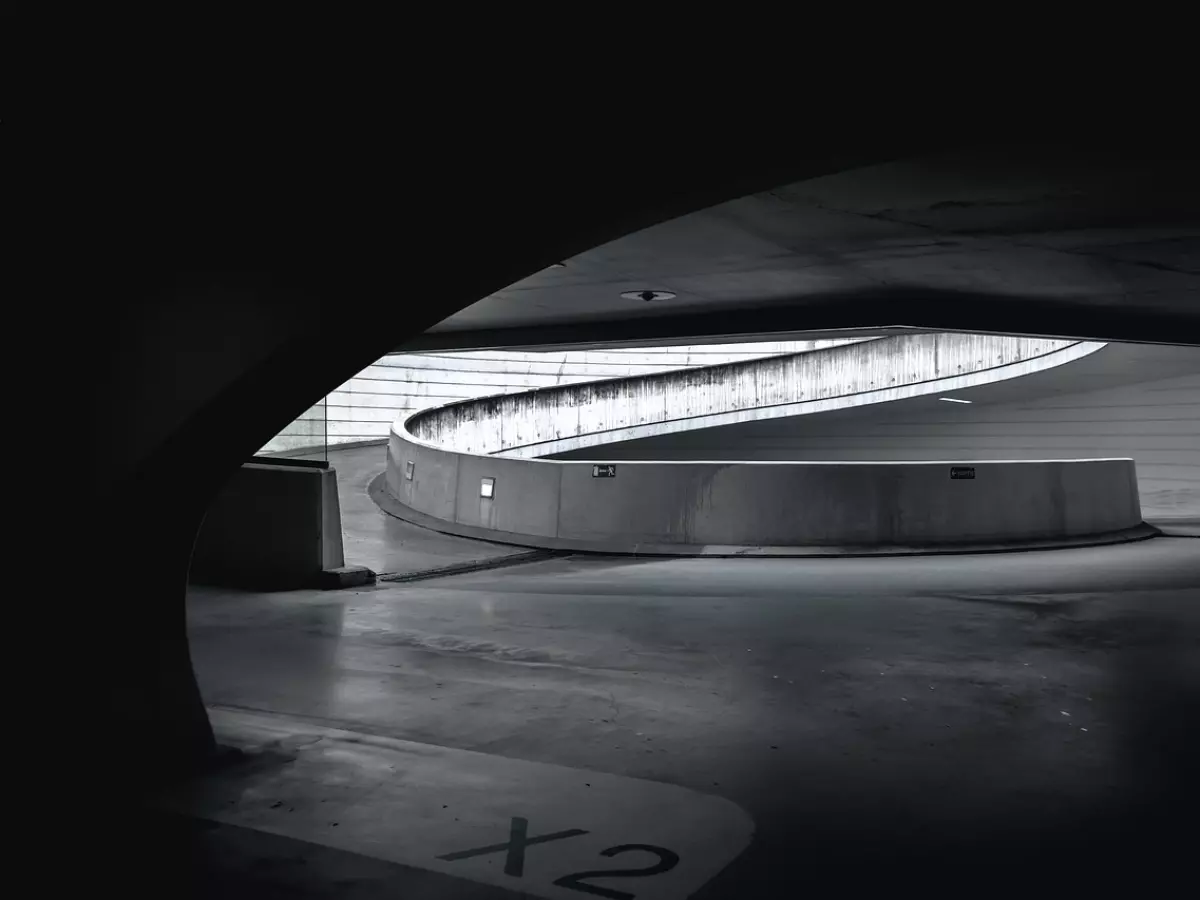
(543, 829)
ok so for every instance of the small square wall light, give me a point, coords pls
(487, 488)
(408, 469)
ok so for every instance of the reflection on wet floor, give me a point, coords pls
(900, 706)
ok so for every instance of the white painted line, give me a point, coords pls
(525, 826)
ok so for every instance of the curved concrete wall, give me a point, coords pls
(682, 507)
(1140, 401)
(364, 408)
(465, 465)
(559, 419)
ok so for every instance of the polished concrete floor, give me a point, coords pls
(933, 719)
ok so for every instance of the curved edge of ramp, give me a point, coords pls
(393, 507)
(547, 421)
(471, 468)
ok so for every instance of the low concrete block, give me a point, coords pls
(273, 527)
(345, 577)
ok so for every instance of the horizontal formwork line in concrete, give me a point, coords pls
(463, 395)
(612, 352)
(595, 370)
(1183, 422)
(363, 421)
(397, 401)
(318, 440)
(345, 425)
(349, 414)
(472, 376)
(717, 454)
(405, 403)
(1180, 438)
(809, 451)
(525, 366)
(358, 436)
(348, 439)
(965, 427)
(1168, 428)
(842, 446)
(924, 436)
(599, 364)
(976, 420)
(390, 388)
(603, 358)
(1164, 439)
(354, 399)
(1170, 431)
(348, 411)
(341, 422)
(1048, 406)
(742, 348)
(422, 388)
(467, 385)
(633, 364)
(375, 401)
(407, 372)
(363, 415)
(618, 355)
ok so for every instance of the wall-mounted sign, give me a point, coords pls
(957, 472)
(607, 470)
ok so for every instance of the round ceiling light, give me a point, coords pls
(647, 296)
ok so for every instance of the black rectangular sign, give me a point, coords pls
(957, 472)
(608, 470)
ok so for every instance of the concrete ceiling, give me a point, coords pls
(964, 241)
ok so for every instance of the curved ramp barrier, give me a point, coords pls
(570, 417)
(466, 468)
(362, 409)
(719, 508)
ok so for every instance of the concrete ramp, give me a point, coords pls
(565, 418)
(470, 468)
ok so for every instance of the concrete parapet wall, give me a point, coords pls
(572, 417)
(1137, 401)
(657, 506)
